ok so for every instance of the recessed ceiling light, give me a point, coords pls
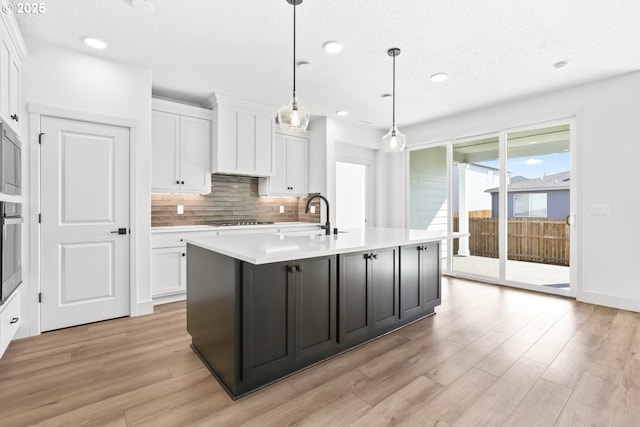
(332, 47)
(342, 113)
(144, 6)
(560, 65)
(439, 77)
(94, 42)
(304, 65)
(385, 95)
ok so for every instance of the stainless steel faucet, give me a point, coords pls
(327, 225)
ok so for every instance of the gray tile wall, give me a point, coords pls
(232, 199)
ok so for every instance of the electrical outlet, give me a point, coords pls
(312, 209)
(180, 209)
(281, 209)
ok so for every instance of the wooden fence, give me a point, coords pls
(538, 240)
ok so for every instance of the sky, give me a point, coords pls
(536, 166)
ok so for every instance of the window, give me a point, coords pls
(532, 205)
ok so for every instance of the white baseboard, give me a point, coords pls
(609, 301)
(142, 308)
(165, 299)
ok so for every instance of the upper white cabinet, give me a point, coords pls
(181, 148)
(243, 137)
(291, 177)
(12, 52)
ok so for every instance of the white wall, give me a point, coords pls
(608, 148)
(333, 140)
(63, 78)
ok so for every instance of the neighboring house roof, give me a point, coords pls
(557, 181)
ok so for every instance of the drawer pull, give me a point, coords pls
(14, 320)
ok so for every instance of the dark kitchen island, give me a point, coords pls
(261, 307)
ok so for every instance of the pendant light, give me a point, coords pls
(394, 141)
(293, 116)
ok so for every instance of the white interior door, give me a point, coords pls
(351, 195)
(84, 201)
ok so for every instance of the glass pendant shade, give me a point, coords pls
(394, 141)
(293, 117)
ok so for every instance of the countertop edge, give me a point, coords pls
(336, 251)
(195, 228)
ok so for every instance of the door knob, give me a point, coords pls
(120, 231)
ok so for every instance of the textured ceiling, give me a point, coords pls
(493, 51)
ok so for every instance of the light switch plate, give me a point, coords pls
(312, 209)
(180, 209)
(281, 209)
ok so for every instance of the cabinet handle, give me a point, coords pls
(299, 268)
(291, 268)
(177, 182)
(374, 256)
(14, 320)
(14, 117)
(420, 248)
(181, 182)
(367, 256)
(184, 254)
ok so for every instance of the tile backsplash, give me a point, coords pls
(232, 199)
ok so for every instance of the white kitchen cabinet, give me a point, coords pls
(9, 320)
(181, 147)
(291, 177)
(243, 137)
(169, 270)
(169, 264)
(10, 75)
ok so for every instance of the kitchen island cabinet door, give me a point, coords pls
(384, 286)
(419, 280)
(354, 298)
(268, 310)
(411, 282)
(430, 275)
(315, 308)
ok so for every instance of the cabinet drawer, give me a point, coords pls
(9, 321)
(169, 240)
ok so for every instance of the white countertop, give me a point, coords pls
(265, 248)
(182, 228)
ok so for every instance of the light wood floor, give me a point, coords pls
(492, 356)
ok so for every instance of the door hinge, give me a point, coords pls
(40, 137)
(39, 218)
(40, 297)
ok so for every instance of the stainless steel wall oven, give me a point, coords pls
(10, 161)
(11, 248)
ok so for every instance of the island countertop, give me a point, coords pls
(286, 246)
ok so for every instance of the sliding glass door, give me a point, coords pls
(512, 192)
(539, 206)
(476, 172)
